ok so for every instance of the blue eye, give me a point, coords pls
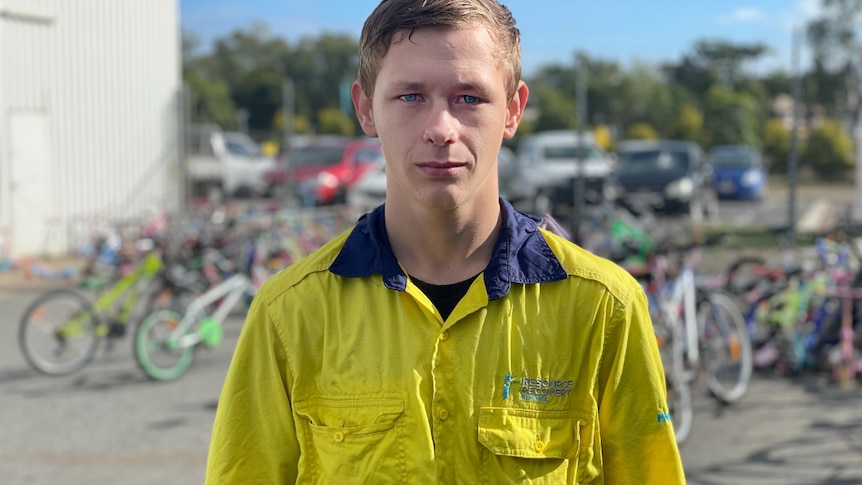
(410, 98)
(470, 99)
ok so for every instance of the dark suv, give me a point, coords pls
(670, 176)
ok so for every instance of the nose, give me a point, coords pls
(440, 128)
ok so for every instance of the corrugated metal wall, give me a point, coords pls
(106, 74)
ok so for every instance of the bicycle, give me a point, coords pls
(795, 315)
(166, 340)
(59, 332)
(700, 332)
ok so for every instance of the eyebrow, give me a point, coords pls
(411, 86)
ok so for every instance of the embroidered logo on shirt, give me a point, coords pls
(663, 417)
(537, 389)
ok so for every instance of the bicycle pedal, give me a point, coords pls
(116, 329)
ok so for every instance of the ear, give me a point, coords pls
(362, 105)
(515, 109)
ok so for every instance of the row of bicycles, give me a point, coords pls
(172, 289)
(797, 313)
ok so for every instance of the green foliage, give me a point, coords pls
(333, 121)
(732, 118)
(556, 111)
(210, 101)
(641, 131)
(776, 145)
(688, 125)
(829, 150)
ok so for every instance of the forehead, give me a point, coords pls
(465, 54)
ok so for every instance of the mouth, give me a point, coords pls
(440, 169)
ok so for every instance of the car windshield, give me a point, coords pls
(568, 152)
(732, 160)
(653, 161)
(316, 156)
(239, 146)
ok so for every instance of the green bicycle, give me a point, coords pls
(59, 332)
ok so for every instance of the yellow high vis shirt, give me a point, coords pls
(547, 371)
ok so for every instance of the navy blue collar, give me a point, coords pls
(521, 254)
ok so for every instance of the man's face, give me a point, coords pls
(441, 112)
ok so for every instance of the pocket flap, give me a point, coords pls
(529, 433)
(355, 416)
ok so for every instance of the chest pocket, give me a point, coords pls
(539, 446)
(339, 431)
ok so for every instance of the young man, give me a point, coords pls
(446, 338)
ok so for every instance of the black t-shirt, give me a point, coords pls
(444, 297)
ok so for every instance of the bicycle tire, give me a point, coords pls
(680, 408)
(726, 351)
(156, 353)
(743, 274)
(47, 341)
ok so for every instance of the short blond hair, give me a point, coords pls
(394, 20)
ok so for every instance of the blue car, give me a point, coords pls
(738, 172)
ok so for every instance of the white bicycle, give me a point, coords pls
(701, 335)
(165, 340)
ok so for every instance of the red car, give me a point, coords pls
(324, 169)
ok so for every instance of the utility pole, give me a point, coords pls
(856, 211)
(580, 181)
(287, 90)
(793, 163)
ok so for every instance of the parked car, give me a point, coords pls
(739, 172)
(370, 190)
(223, 163)
(555, 159)
(324, 169)
(669, 176)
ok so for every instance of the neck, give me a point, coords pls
(448, 246)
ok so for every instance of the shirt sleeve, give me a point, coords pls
(254, 434)
(638, 442)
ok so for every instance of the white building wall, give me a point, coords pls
(98, 81)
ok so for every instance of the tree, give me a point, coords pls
(689, 125)
(715, 62)
(333, 121)
(556, 110)
(732, 118)
(210, 101)
(319, 66)
(829, 150)
(648, 98)
(641, 131)
(776, 145)
(835, 39)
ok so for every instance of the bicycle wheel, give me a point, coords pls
(743, 274)
(57, 334)
(725, 347)
(157, 351)
(680, 408)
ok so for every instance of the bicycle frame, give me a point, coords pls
(677, 300)
(137, 280)
(230, 291)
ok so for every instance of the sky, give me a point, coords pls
(624, 31)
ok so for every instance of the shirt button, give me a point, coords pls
(443, 414)
(539, 446)
(444, 335)
(338, 437)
